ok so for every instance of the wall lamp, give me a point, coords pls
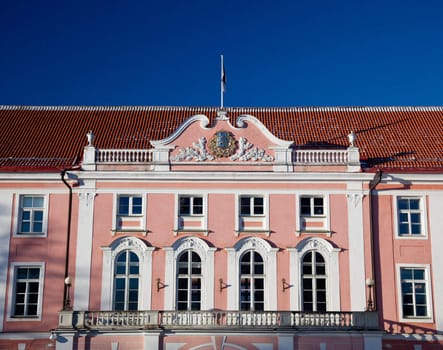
(370, 283)
(67, 302)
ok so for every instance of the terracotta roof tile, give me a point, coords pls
(407, 138)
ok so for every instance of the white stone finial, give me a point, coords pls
(90, 136)
(352, 137)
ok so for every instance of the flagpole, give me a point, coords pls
(222, 88)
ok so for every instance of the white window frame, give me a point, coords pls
(203, 217)
(127, 276)
(264, 217)
(423, 220)
(312, 205)
(191, 204)
(131, 199)
(269, 255)
(18, 215)
(331, 255)
(144, 254)
(429, 299)
(116, 215)
(11, 290)
(206, 254)
(326, 214)
(252, 198)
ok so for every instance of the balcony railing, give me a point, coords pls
(218, 320)
(323, 157)
(113, 156)
(299, 157)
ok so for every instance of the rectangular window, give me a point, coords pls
(251, 205)
(31, 214)
(190, 205)
(26, 292)
(410, 216)
(129, 205)
(414, 292)
(312, 206)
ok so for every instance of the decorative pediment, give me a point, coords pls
(247, 142)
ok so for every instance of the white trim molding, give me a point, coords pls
(6, 203)
(206, 254)
(269, 255)
(144, 254)
(331, 255)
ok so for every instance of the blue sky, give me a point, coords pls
(276, 53)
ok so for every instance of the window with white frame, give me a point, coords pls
(312, 206)
(126, 281)
(32, 215)
(314, 282)
(130, 212)
(252, 282)
(190, 205)
(410, 216)
(414, 292)
(252, 206)
(189, 281)
(27, 290)
(313, 214)
(130, 205)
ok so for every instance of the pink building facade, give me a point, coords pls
(201, 228)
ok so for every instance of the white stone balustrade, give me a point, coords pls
(219, 320)
(123, 156)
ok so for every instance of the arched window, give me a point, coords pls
(125, 261)
(126, 281)
(314, 270)
(314, 282)
(189, 281)
(252, 282)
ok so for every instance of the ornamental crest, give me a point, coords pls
(222, 144)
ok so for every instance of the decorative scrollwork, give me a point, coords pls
(246, 152)
(198, 152)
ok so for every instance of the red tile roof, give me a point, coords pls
(51, 138)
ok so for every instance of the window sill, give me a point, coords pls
(31, 235)
(23, 318)
(203, 231)
(298, 233)
(126, 231)
(249, 231)
(411, 237)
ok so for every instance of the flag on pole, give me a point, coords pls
(222, 81)
(223, 75)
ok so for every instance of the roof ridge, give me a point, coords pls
(232, 109)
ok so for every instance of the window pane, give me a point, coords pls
(38, 215)
(406, 273)
(416, 229)
(123, 205)
(258, 206)
(185, 205)
(137, 205)
(198, 206)
(419, 274)
(305, 206)
(26, 227)
(245, 208)
(37, 227)
(414, 204)
(37, 202)
(402, 204)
